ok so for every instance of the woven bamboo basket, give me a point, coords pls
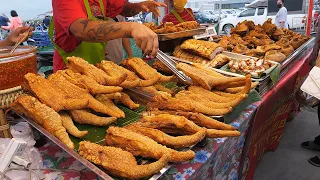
(7, 97)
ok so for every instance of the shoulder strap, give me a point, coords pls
(175, 13)
(191, 14)
(87, 5)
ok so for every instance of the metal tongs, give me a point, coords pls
(24, 36)
(165, 59)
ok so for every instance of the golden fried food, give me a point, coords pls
(79, 65)
(240, 49)
(149, 90)
(51, 95)
(159, 66)
(119, 162)
(70, 127)
(167, 140)
(219, 61)
(151, 25)
(88, 83)
(204, 49)
(198, 118)
(203, 78)
(236, 90)
(86, 117)
(43, 115)
(188, 25)
(213, 133)
(188, 56)
(140, 145)
(104, 99)
(272, 47)
(287, 50)
(225, 42)
(162, 88)
(126, 100)
(268, 27)
(275, 55)
(169, 27)
(72, 90)
(241, 28)
(121, 98)
(146, 72)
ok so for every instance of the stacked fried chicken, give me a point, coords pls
(266, 41)
(169, 27)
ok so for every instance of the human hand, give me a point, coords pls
(151, 6)
(145, 39)
(17, 34)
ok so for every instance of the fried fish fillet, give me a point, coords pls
(51, 95)
(119, 162)
(145, 71)
(241, 89)
(162, 88)
(203, 78)
(167, 140)
(198, 118)
(79, 65)
(43, 115)
(70, 127)
(140, 145)
(85, 117)
(182, 54)
(107, 101)
(72, 90)
(126, 100)
(204, 49)
(87, 82)
(121, 98)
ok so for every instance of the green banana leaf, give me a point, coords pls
(274, 74)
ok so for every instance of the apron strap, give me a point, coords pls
(89, 12)
(175, 13)
(190, 13)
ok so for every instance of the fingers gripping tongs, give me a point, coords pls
(166, 60)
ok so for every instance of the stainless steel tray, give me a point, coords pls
(181, 34)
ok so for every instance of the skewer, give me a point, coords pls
(23, 38)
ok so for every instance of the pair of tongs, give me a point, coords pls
(145, 95)
(24, 36)
(166, 60)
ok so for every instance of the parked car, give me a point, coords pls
(206, 17)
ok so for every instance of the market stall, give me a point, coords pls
(177, 103)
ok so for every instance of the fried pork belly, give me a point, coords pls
(204, 49)
(143, 70)
(79, 65)
(140, 145)
(219, 61)
(203, 78)
(72, 90)
(43, 115)
(119, 162)
(86, 117)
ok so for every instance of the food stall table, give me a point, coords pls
(219, 158)
(272, 114)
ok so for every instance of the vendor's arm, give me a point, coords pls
(127, 46)
(14, 36)
(132, 9)
(103, 31)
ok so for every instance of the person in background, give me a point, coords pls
(114, 50)
(281, 17)
(46, 22)
(15, 22)
(14, 36)
(179, 14)
(3, 22)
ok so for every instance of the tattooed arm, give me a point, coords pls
(132, 9)
(103, 31)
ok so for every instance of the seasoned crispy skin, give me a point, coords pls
(241, 89)
(159, 66)
(121, 98)
(164, 102)
(219, 61)
(204, 49)
(188, 56)
(88, 83)
(43, 115)
(213, 133)
(70, 127)
(74, 91)
(119, 162)
(51, 95)
(169, 27)
(79, 65)
(167, 140)
(146, 72)
(107, 101)
(85, 117)
(140, 145)
(203, 78)
(198, 118)
(126, 100)
(162, 88)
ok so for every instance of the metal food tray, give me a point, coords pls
(101, 173)
(181, 34)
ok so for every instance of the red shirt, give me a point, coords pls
(65, 12)
(184, 16)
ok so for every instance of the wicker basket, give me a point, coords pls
(7, 96)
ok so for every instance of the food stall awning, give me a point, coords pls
(258, 3)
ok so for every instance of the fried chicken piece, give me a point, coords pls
(268, 27)
(250, 24)
(272, 47)
(85, 117)
(79, 65)
(204, 49)
(42, 115)
(145, 71)
(51, 95)
(241, 29)
(275, 55)
(287, 50)
(167, 140)
(159, 66)
(72, 90)
(119, 162)
(164, 102)
(188, 25)
(219, 61)
(226, 44)
(203, 78)
(198, 118)
(151, 25)
(70, 127)
(278, 33)
(182, 54)
(240, 49)
(180, 125)
(140, 145)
